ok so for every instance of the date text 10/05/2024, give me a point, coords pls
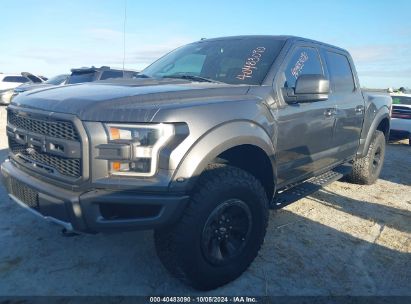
(188, 299)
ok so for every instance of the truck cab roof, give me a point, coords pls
(285, 38)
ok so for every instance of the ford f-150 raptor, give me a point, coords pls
(199, 147)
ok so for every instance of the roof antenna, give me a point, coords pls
(124, 33)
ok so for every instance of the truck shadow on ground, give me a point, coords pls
(379, 213)
(397, 159)
(301, 256)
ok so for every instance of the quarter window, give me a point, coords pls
(340, 72)
(305, 60)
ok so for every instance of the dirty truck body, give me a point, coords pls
(209, 133)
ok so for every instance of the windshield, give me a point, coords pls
(56, 80)
(401, 100)
(232, 61)
(81, 77)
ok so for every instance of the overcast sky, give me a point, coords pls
(50, 37)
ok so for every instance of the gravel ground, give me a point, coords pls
(344, 240)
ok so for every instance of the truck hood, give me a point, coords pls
(133, 100)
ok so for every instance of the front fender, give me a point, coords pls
(213, 143)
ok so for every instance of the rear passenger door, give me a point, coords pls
(349, 102)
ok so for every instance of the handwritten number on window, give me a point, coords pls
(251, 63)
(299, 65)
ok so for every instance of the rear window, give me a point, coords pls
(20, 79)
(81, 77)
(340, 72)
(401, 100)
(111, 74)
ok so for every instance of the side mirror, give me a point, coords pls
(309, 88)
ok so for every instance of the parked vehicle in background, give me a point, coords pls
(401, 117)
(32, 78)
(93, 74)
(10, 81)
(57, 80)
(54, 81)
(199, 147)
(79, 75)
(44, 78)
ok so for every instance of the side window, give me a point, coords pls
(305, 60)
(15, 79)
(111, 74)
(340, 72)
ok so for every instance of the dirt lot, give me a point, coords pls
(344, 240)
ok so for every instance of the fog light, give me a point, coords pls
(120, 167)
(142, 165)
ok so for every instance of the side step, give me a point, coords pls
(308, 187)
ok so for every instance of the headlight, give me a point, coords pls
(136, 147)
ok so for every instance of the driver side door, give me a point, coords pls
(305, 129)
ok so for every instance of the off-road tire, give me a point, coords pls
(364, 171)
(179, 246)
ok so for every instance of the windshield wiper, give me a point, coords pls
(192, 77)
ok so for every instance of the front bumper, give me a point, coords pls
(6, 97)
(400, 128)
(400, 125)
(96, 210)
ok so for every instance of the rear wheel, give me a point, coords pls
(367, 169)
(221, 231)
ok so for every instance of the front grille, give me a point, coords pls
(34, 155)
(66, 166)
(25, 194)
(57, 129)
(401, 112)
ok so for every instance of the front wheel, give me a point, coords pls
(220, 232)
(367, 169)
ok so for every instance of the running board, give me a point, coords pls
(308, 187)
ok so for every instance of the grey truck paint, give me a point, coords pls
(296, 139)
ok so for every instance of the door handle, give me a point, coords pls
(330, 112)
(359, 109)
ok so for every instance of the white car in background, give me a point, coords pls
(401, 116)
(10, 81)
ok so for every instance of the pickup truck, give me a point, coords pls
(199, 148)
(401, 117)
